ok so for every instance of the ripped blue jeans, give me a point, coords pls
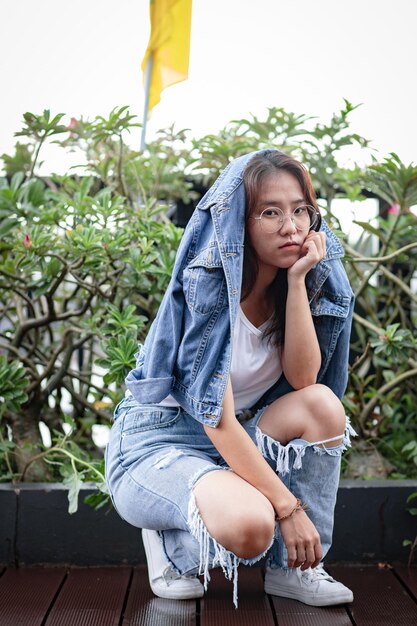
(157, 454)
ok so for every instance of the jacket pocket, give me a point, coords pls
(204, 282)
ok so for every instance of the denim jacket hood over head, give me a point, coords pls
(187, 352)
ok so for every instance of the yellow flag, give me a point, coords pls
(169, 45)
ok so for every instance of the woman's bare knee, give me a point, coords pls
(246, 534)
(327, 414)
(312, 413)
(252, 536)
(235, 514)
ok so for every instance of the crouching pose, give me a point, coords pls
(227, 445)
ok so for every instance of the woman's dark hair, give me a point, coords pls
(254, 175)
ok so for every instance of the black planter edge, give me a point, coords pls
(371, 523)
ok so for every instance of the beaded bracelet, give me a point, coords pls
(299, 506)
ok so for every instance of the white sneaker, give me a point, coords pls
(313, 586)
(164, 581)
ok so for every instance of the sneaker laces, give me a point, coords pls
(316, 574)
(170, 574)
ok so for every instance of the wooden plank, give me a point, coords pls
(294, 613)
(217, 607)
(408, 576)
(145, 609)
(93, 596)
(26, 594)
(379, 598)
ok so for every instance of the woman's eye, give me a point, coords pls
(300, 210)
(272, 212)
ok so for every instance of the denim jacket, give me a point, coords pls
(187, 352)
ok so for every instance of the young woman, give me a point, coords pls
(228, 442)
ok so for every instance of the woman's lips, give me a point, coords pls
(290, 244)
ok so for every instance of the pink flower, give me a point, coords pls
(394, 209)
(72, 126)
(27, 242)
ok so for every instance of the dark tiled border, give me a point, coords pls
(371, 522)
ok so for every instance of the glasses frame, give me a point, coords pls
(316, 215)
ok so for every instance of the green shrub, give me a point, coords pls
(86, 257)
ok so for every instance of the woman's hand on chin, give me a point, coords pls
(313, 251)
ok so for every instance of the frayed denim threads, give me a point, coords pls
(155, 457)
(223, 558)
(279, 453)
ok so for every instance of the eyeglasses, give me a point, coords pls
(304, 218)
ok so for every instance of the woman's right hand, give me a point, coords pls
(301, 540)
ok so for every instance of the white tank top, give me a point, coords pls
(255, 364)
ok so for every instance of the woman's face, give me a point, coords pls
(283, 248)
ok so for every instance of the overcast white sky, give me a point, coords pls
(83, 57)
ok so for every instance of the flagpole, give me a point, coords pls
(148, 76)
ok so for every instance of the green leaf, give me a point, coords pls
(52, 268)
(370, 229)
(17, 181)
(7, 225)
(7, 446)
(74, 484)
(97, 500)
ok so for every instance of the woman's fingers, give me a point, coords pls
(310, 558)
(302, 541)
(301, 554)
(321, 245)
(304, 555)
(292, 555)
(315, 243)
(313, 250)
(318, 554)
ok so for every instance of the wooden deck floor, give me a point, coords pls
(121, 596)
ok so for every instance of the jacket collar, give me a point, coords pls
(334, 249)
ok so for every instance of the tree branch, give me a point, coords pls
(379, 259)
(381, 391)
(367, 324)
(84, 402)
(399, 282)
(357, 364)
(47, 319)
(13, 277)
(27, 362)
